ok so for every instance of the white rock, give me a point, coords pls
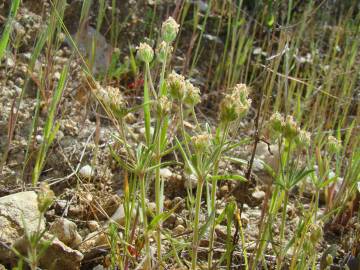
(10, 62)
(87, 171)
(119, 215)
(39, 138)
(258, 195)
(56, 75)
(15, 210)
(165, 173)
(66, 231)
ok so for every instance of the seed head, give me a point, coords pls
(145, 53)
(316, 233)
(192, 96)
(235, 104)
(276, 122)
(176, 85)
(334, 145)
(163, 106)
(111, 96)
(201, 142)
(241, 91)
(45, 197)
(169, 30)
(163, 50)
(290, 128)
(304, 138)
(329, 259)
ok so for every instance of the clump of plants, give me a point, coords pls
(172, 97)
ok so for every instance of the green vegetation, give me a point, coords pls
(283, 73)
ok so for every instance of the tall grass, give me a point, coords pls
(8, 27)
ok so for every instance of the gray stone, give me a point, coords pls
(66, 231)
(93, 225)
(258, 195)
(190, 181)
(17, 211)
(179, 229)
(57, 256)
(87, 171)
(165, 173)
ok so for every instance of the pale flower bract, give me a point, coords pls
(145, 53)
(176, 85)
(192, 96)
(169, 30)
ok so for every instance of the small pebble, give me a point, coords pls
(179, 229)
(258, 195)
(165, 173)
(93, 225)
(86, 171)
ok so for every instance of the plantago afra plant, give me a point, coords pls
(35, 242)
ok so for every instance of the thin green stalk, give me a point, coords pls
(182, 127)
(158, 189)
(195, 242)
(8, 26)
(161, 129)
(243, 243)
(282, 229)
(143, 208)
(213, 197)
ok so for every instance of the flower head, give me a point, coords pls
(192, 95)
(45, 197)
(201, 142)
(276, 123)
(145, 53)
(169, 30)
(334, 145)
(163, 50)
(304, 138)
(163, 106)
(111, 96)
(176, 85)
(235, 104)
(316, 233)
(290, 128)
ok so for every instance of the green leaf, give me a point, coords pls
(163, 164)
(120, 161)
(161, 218)
(8, 26)
(147, 116)
(235, 177)
(204, 228)
(187, 161)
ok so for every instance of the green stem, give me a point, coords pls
(195, 242)
(282, 229)
(147, 66)
(213, 198)
(143, 207)
(158, 193)
(243, 243)
(162, 89)
(183, 129)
